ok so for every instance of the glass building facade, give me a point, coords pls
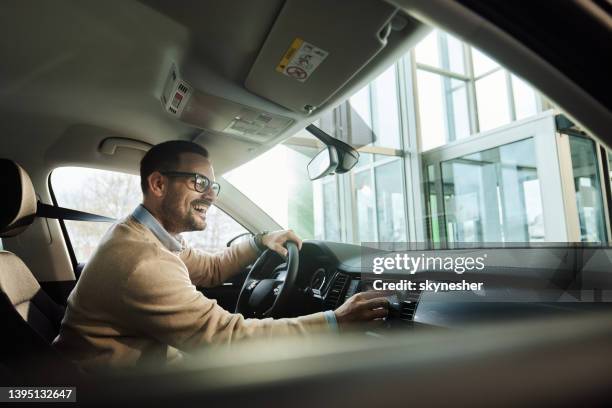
(454, 148)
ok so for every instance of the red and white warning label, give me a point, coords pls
(301, 60)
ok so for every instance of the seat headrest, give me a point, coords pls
(18, 208)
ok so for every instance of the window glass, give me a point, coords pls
(588, 190)
(482, 63)
(115, 195)
(96, 191)
(101, 192)
(390, 202)
(443, 109)
(220, 228)
(524, 98)
(376, 198)
(427, 51)
(369, 202)
(492, 101)
(456, 60)
(357, 118)
(494, 196)
(327, 123)
(431, 110)
(364, 206)
(278, 182)
(386, 108)
(327, 218)
(458, 115)
(360, 106)
(441, 50)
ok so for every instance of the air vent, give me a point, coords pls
(409, 306)
(335, 291)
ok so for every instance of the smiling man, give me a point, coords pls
(137, 299)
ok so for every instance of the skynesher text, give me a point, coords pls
(427, 285)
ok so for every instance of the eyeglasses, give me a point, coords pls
(201, 183)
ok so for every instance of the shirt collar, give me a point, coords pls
(143, 216)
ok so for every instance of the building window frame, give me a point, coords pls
(558, 221)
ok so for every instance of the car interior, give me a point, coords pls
(93, 85)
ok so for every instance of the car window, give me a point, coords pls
(454, 148)
(114, 194)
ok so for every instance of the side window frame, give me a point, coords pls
(77, 266)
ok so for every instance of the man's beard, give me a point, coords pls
(175, 221)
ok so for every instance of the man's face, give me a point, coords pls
(183, 208)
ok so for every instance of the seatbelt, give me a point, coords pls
(50, 211)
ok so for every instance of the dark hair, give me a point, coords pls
(165, 157)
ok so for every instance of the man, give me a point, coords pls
(137, 299)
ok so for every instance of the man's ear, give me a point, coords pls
(157, 184)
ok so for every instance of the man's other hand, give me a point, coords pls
(275, 240)
(363, 307)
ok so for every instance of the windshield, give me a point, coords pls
(453, 148)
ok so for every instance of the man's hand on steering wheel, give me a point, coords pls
(266, 289)
(275, 240)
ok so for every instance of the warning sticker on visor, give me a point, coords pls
(301, 60)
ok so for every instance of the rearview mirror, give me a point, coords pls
(346, 157)
(348, 160)
(324, 163)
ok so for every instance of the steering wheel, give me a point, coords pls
(266, 290)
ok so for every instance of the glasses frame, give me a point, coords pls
(208, 184)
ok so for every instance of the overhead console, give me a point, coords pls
(315, 47)
(181, 100)
(316, 53)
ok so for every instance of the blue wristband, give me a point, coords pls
(330, 317)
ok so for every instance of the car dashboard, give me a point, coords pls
(330, 273)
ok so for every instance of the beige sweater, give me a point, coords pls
(135, 299)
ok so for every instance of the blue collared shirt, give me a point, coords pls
(172, 243)
(143, 216)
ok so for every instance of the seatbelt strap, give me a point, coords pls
(50, 211)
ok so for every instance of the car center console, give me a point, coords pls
(343, 285)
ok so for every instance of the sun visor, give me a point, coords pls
(181, 100)
(315, 47)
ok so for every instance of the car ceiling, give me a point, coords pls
(75, 72)
(228, 36)
(91, 64)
